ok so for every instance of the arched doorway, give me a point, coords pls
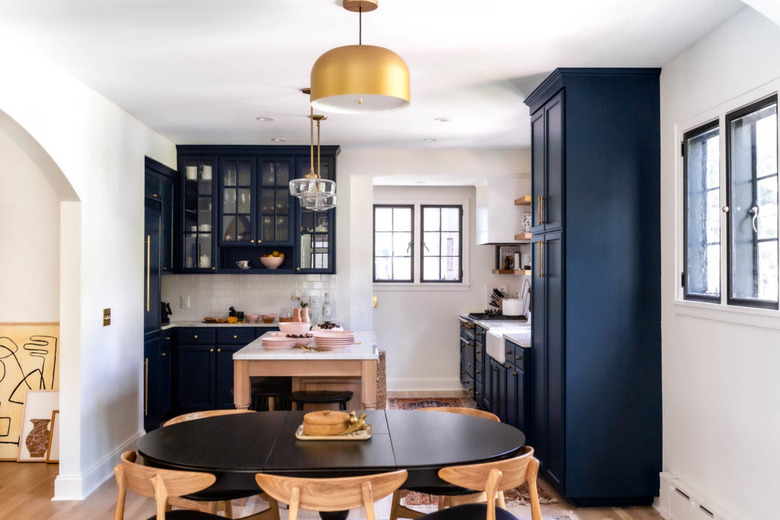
(40, 229)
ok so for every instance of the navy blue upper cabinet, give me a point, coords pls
(547, 160)
(250, 211)
(316, 230)
(595, 421)
(160, 182)
(197, 215)
(237, 188)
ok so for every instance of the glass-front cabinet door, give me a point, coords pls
(198, 218)
(275, 202)
(237, 180)
(315, 235)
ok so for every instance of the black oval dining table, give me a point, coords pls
(236, 447)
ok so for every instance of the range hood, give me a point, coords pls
(498, 219)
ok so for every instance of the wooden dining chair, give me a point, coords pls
(211, 504)
(164, 485)
(492, 478)
(331, 494)
(203, 414)
(453, 496)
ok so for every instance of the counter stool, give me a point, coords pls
(321, 397)
(271, 393)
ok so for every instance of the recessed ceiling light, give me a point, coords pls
(265, 119)
(278, 140)
(430, 140)
(441, 120)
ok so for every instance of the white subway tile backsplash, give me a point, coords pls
(212, 295)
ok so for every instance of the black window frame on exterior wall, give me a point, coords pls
(411, 243)
(689, 274)
(735, 209)
(424, 250)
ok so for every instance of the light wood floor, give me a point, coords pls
(26, 490)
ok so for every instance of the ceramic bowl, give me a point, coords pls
(294, 327)
(251, 318)
(268, 318)
(271, 262)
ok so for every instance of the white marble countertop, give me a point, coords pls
(272, 325)
(364, 348)
(522, 339)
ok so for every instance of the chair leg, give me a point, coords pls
(228, 508)
(398, 511)
(533, 470)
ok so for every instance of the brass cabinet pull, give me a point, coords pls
(146, 386)
(539, 211)
(251, 241)
(508, 351)
(518, 357)
(514, 373)
(195, 336)
(218, 350)
(235, 336)
(164, 354)
(148, 272)
(211, 350)
(213, 268)
(541, 259)
(154, 195)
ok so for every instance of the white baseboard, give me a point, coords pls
(80, 486)
(401, 394)
(424, 385)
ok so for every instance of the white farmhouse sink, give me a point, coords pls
(495, 343)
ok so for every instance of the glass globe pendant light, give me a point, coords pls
(314, 192)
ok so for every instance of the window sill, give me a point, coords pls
(766, 318)
(427, 287)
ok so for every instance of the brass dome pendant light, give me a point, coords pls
(314, 192)
(356, 79)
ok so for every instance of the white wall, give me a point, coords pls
(30, 233)
(418, 326)
(99, 153)
(720, 384)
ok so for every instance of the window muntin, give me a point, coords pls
(442, 244)
(753, 200)
(702, 213)
(393, 243)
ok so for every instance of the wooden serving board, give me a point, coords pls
(360, 435)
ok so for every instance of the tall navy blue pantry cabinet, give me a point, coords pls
(596, 297)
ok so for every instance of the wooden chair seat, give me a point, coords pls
(492, 478)
(164, 485)
(207, 501)
(331, 494)
(446, 494)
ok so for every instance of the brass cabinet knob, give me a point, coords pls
(235, 336)
(213, 268)
(211, 350)
(218, 350)
(195, 336)
(164, 354)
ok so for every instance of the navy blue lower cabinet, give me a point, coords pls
(196, 375)
(517, 396)
(595, 421)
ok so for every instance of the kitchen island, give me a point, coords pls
(309, 369)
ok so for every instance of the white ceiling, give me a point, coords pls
(201, 71)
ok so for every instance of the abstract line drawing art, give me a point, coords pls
(29, 355)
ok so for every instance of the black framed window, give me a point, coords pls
(751, 134)
(702, 230)
(393, 243)
(442, 244)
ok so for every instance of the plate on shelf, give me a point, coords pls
(360, 435)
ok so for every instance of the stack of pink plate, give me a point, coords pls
(334, 339)
(277, 342)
